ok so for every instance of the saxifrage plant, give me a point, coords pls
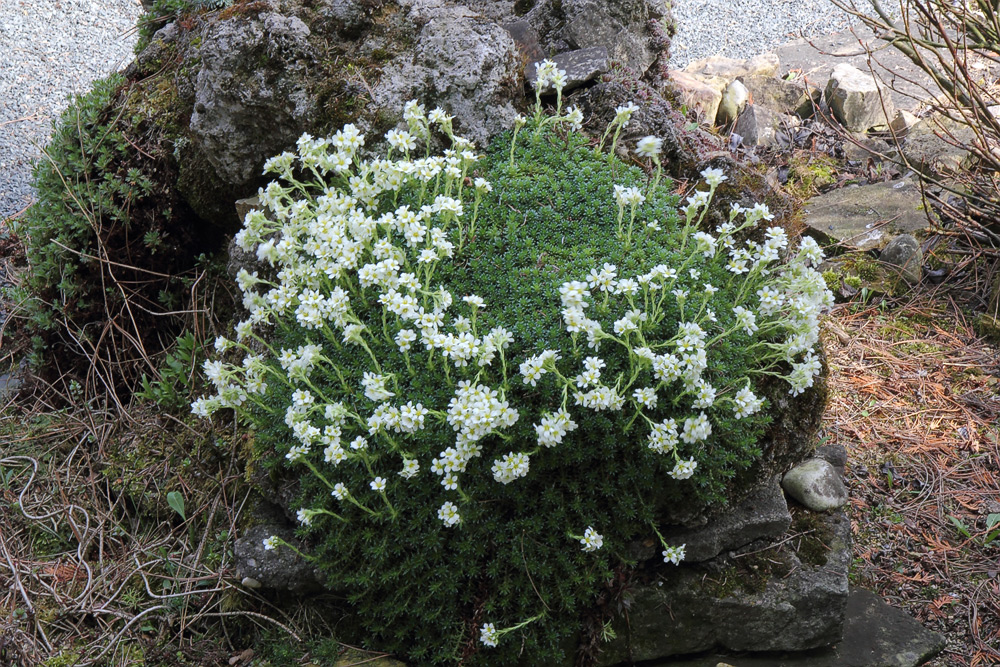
(492, 372)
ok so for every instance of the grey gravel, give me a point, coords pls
(746, 28)
(51, 48)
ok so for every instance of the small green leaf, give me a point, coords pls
(960, 527)
(176, 502)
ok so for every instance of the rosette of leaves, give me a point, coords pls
(433, 554)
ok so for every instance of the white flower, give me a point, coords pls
(488, 635)
(271, 543)
(645, 397)
(713, 177)
(410, 468)
(683, 469)
(510, 467)
(553, 427)
(448, 514)
(747, 403)
(663, 437)
(649, 146)
(339, 491)
(305, 516)
(377, 484)
(696, 429)
(674, 554)
(591, 540)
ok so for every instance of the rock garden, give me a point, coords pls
(423, 332)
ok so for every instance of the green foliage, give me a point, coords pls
(177, 375)
(423, 590)
(176, 502)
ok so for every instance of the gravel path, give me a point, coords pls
(50, 49)
(746, 28)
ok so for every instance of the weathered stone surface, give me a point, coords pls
(526, 39)
(772, 600)
(279, 569)
(759, 126)
(902, 122)
(904, 253)
(835, 455)
(855, 99)
(866, 217)
(816, 484)
(764, 514)
(875, 635)
(783, 96)
(734, 100)
(730, 68)
(935, 145)
(698, 93)
(581, 66)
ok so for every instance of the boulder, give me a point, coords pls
(581, 66)
(768, 599)
(866, 217)
(936, 145)
(783, 95)
(856, 100)
(835, 455)
(734, 100)
(730, 69)
(526, 39)
(762, 515)
(695, 92)
(816, 485)
(902, 122)
(759, 126)
(904, 253)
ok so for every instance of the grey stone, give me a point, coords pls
(279, 569)
(856, 100)
(860, 146)
(760, 126)
(935, 145)
(783, 95)
(902, 122)
(622, 27)
(734, 99)
(866, 217)
(764, 514)
(904, 253)
(835, 455)
(581, 66)
(875, 635)
(816, 484)
(773, 599)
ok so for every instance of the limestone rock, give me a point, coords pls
(902, 122)
(935, 145)
(856, 100)
(816, 484)
(279, 569)
(581, 66)
(866, 217)
(734, 99)
(730, 68)
(698, 93)
(526, 39)
(763, 515)
(783, 96)
(904, 253)
(774, 600)
(759, 126)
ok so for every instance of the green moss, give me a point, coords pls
(808, 173)
(987, 326)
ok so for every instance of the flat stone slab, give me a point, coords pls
(867, 217)
(581, 66)
(875, 635)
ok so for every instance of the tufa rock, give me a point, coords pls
(774, 599)
(759, 126)
(279, 569)
(581, 66)
(784, 96)
(734, 99)
(856, 100)
(904, 253)
(816, 485)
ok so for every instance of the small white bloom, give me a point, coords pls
(591, 540)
